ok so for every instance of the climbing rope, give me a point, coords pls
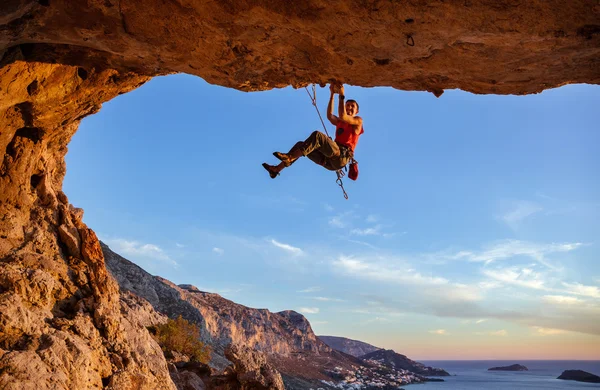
(313, 98)
(340, 173)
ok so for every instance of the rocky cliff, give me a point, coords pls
(222, 322)
(60, 60)
(351, 347)
(285, 339)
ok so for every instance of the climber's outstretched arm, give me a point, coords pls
(342, 115)
(332, 118)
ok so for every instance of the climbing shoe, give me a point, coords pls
(271, 170)
(287, 161)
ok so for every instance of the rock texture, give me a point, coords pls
(351, 347)
(59, 330)
(483, 46)
(252, 370)
(61, 323)
(394, 360)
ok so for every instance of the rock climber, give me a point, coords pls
(321, 149)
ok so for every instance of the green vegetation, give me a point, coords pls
(184, 337)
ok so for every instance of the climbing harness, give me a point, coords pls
(340, 172)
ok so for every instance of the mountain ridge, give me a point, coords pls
(285, 338)
(352, 347)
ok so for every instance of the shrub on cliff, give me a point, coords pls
(184, 337)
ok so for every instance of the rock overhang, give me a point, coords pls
(481, 46)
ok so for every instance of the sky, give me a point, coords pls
(472, 231)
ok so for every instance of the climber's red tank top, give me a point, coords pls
(346, 135)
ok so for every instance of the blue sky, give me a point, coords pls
(472, 231)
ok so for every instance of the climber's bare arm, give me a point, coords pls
(355, 121)
(332, 118)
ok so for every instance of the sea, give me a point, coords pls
(474, 375)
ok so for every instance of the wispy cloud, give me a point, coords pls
(178, 245)
(583, 290)
(523, 277)
(499, 333)
(137, 249)
(395, 271)
(507, 249)
(384, 272)
(548, 331)
(441, 332)
(562, 300)
(328, 207)
(481, 321)
(310, 289)
(380, 320)
(519, 211)
(370, 231)
(218, 251)
(292, 249)
(327, 299)
(372, 218)
(309, 310)
(341, 220)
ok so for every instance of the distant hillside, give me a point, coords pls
(351, 347)
(285, 338)
(394, 360)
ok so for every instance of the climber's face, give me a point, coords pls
(351, 108)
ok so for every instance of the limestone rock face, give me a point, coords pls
(252, 369)
(351, 347)
(483, 46)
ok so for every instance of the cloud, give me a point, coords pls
(523, 277)
(138, 249)
(580, 289)
(372, 218)
(380, 320)
(340, 220)
(326, 299)
(178, 245)
(310, 289)
(218, 251)
(439, 332)
(480, 321)
(384, 272)
(371, 231)
(562, 300)
(292, 249)
(328, 207)
(499, 333)
(520, 210)
(548, 331)
(511, 248)
(309, 310)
